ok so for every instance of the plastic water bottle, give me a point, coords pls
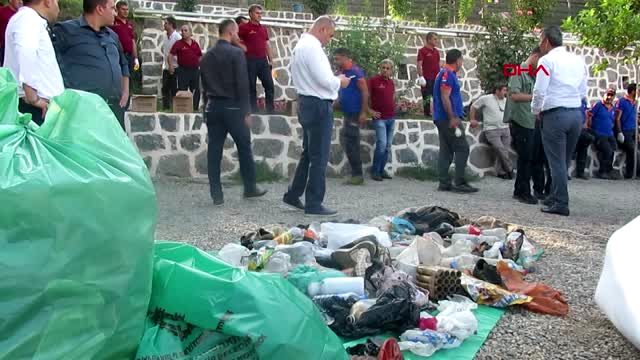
(477, 239)
(460, 262)
(498, 232)
(289, 236)
(340, 285)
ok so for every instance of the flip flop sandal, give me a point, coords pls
(343, 257)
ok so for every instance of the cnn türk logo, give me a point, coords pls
(509, 70)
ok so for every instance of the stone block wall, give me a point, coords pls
(289, 26)
(176, 145)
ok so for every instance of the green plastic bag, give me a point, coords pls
(203, 294)
(77, 220)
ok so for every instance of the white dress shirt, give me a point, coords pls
(566, 84)
(311, 71)
(29, 54)
(167, 44)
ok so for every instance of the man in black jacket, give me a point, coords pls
(226, 85)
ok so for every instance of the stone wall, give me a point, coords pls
(176, 145)
(285, 29)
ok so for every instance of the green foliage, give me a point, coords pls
(507, 42)
(369, 45)
(319, 7)
(69, 9)
(429, 173)
(272, 4)
(532, 13)
(612, 25)
(264, 174)
(465, 7)
(399, 9)
(341, 8)
(186, 5)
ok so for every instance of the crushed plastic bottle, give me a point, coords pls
(288, 237)
(460, 262)
(477, 239)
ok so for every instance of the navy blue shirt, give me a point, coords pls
(90, 60)
(447, 78)
(585, 108)
(602, 119)
(628, 119)
(351, 96)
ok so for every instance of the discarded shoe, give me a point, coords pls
(486, 272)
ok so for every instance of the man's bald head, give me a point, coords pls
(323, 29)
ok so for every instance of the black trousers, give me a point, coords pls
(189, 79)
(427, 93)
(451, 147)
(224, 117)
(260, 69)
(629, 147)
(584, 141)
(169, 88)
(606, 148)
(350, 138)
(540, 172)
(523, 142)
(118, 111)
(36, 112)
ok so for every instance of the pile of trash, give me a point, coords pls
(392, 274)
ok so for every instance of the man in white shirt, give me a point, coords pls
(30, 57)
(495, 129)
(169, 83)
(557, 100)
(317, 88)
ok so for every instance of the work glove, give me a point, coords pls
(421, 81)
(621, 138)
(136, 65)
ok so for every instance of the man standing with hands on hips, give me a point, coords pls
(557, 100)
(317, 88)
(225, 83)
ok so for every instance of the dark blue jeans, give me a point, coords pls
(350, 139)
(384, 137)
(260, 69)
(560, 133)
(316, 117)
(224, 117)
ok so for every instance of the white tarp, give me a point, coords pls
(618, 291)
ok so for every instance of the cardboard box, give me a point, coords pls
(144, 103)
(183, 102)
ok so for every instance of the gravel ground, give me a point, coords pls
(572, 261)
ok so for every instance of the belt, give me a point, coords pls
(559, 108)
(316, 98)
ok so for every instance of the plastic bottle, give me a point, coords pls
(459, 247)
(477, 239)
(460, 262)
(462, 229)
(358, 308)
(289, 236)
(337, 286)
(498, 232)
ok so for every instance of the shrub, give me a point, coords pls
(507, 42)
(368, 46)
(186, 5)
(264, 174)
(319, 7)
(399, 9)
(69, 9)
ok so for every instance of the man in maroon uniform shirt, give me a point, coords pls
(428, 68)
(259, 58)
(188, 53)
(382, 92)
(6, 12)
(127, 34)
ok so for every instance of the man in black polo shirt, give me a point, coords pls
(226, 85)
(91, 56)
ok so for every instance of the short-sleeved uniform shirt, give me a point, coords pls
(255, 37)
(602, 119)
(126, 34)
(90, 60)
(430, 58)
(520, 112)
(629, 117)
(351, 96)
(6, 12)
(382, 92)
(447, 78)
(188, 55)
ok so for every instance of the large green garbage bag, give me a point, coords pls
(204, 308)
(77, 220)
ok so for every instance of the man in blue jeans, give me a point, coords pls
(354, 102)
(447, 115)
(317, 88)
(383, 103)
(557, 100)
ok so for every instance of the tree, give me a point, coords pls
(508, 42)
(612, 25)
(399, 9)
(369, 45)
(532, 13)
(319, 7)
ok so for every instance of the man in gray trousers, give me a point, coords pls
(560, 87)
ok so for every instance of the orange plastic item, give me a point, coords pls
(390, 350)
(546, 300)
